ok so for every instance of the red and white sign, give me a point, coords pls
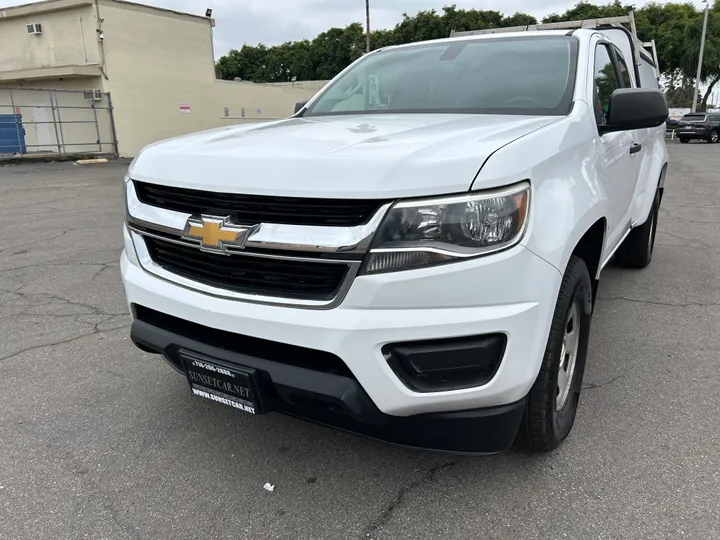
(185, 108)
(17, 110)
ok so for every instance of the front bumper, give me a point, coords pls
(337, 399)
(511, 293)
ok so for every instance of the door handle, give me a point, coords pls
(635, 148)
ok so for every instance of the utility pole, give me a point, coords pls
(700, 61)
(367, 26)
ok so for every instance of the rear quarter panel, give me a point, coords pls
(654, 158)
(652, 174)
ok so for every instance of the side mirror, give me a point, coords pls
(299, 105)
(636, 108)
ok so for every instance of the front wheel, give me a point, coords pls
(714, 137)
(684, 141)
(553, 400)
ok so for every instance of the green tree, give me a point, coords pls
(586, 10)
(711, 59)
(676, 28)
(333, 50)
(519, 19)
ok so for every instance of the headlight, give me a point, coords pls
(422, 233)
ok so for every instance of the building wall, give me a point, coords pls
(65, 83)
(310, 86)
(160, 72)
(249, 102)
(157, 61)
(59, 120)
(68, 37)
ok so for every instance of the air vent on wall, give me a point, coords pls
(34, 29)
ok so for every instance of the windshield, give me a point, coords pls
(528, 76)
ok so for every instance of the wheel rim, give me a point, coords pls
(714, 136)
(568, 355)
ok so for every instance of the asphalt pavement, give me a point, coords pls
(99, 440)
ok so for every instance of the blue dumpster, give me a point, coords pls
(12, 134)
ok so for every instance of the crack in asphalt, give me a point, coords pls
(129, 530)
(109, 264)
(384, 518)
(56, 237)
(44, 212)
(593, 386)
(670, 213)
(51, 201)
(26, 244)
(693, 206)
(91, 316)
(94, 331)
(92, 488)
(658, 302)
(92, 310)
(688, 220)
(686, 239)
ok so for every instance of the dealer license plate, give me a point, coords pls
(232, 386)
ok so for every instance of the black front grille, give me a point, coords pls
(284, 278)
(260, 209)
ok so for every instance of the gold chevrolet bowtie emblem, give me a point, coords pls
(215, 235)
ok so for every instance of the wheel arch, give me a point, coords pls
(651, 178)
(590, 249)
(661, 182)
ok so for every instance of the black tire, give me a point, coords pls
(543, 426)
(684, 141)
(714, 136)
(637, 249)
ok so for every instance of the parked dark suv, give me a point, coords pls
(699, 126)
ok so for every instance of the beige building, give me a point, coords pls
(156, 64)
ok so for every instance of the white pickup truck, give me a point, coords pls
(414, 255)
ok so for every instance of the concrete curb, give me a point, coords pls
(89, 161)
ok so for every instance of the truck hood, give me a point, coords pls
(358, 156)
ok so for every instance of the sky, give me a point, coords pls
(276, 21)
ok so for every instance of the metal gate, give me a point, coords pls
(56, 122)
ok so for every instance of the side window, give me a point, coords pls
(624, 72)
(606, 83)
(648, 76)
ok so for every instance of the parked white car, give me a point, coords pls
(414, 255)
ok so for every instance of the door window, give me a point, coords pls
(624, 72)
(606, 82)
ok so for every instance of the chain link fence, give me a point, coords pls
(56, 122)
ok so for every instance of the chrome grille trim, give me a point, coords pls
(312, 238)
(352, 242)
(233, 251)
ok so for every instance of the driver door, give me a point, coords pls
(618, 160)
